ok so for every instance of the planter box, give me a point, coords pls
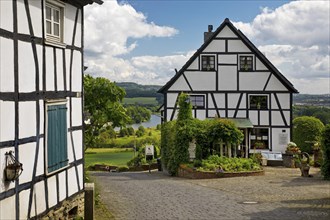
(288, 160)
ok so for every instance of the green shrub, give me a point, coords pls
(198, 163)
(215, 162)
(122, 169)
(325, 168)
(306, 130)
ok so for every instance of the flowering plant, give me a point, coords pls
(292, 147)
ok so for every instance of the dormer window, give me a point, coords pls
(246, 63)
(208, 63)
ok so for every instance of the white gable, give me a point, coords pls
(237, 46)
(260, 65)
(275, 85)
(180, 84)
(201, 80)
(194, 65)
(216, 46)
(252, 80)
(226, 32)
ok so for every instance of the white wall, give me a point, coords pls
(276, 132)
(253, 81)
(180, 85)
(215, 46)
(201, 80)
(233, 99)
(227, 77)
(6, 57)
(227, 59)
(7, 118)
(275, 85)
(237, 46)
(194, 64)
(226, 32)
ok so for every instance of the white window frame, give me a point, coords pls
(50, 37)
(260, 138)
(252, 62)
(255, 108)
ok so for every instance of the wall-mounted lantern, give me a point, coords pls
(13, 168)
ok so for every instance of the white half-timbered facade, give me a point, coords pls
(41, 105)
(228, 77)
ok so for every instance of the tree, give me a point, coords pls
(325, 168)
(307, 130)
(102, 106)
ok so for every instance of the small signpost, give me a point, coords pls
(149, 152)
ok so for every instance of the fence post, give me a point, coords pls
(89, 201)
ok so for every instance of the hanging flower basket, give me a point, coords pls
(13, 167)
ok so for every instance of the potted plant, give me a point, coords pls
(288, 158)
(317, 153)
(303, 162)
(259, 145)
(292, 148)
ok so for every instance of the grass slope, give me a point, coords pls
(109, 156)
(141, 101)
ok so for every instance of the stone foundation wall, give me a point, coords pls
(192, 174)
(67, 209)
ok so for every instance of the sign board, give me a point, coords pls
(283, 139)
(149, 150)
(192, 150)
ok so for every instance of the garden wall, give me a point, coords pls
(193, 174)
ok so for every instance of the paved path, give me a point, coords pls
(280, 194)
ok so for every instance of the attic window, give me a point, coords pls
(246, 63)
(208, 63)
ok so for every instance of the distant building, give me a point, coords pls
(41, 84)
(228, 77)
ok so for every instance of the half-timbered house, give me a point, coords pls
(228, 77)
(41, 107)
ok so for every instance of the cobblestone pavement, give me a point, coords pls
(280, 194)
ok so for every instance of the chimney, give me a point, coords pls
(207, 35)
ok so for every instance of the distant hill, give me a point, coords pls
(134, 90)
(312, 100)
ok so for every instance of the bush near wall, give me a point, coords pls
(325, 168)
(306, 130)
(176, 136)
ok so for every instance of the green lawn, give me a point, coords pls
(109, 156)
(141, 100)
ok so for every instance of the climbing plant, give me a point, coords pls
(325, 168)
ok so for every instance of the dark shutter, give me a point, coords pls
(57, 137)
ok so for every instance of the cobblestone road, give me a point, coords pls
(280, 194)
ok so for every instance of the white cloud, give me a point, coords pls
(110, 25)
(296, 39)
(141, 69)
(108, 28)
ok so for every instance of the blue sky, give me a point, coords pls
(145, 40)
(191, 18)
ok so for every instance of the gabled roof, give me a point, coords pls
(86, 2)
(247, 42)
